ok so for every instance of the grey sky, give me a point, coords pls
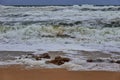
(59, 2)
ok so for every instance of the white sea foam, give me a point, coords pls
(92, 28)
(30, 37)
(80, 65)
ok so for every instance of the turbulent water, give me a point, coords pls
(61, 28)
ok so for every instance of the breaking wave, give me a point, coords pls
(84, 25)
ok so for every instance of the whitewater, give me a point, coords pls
(70, 29)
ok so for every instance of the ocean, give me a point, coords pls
(80, 32)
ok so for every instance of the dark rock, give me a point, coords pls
(111, 61)
(58, 60)
(19, 58)
(45, 55)
(26, 56)
(62, 59)
(89, 60)
(38, 56)
(95, 60)
(118, 61)
(66, 59)
(78, 22)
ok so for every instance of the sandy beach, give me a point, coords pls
(20, 73)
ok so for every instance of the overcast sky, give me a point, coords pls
(59, 2)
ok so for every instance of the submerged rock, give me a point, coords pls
(111, 61)
(89, 60)
(38, 56)
(118, 61)
(101, 60)
(95, 60)
(45, 55)
(58, 60)
(63, 59)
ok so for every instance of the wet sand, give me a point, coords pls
(20, 73)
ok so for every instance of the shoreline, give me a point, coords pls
(19, 57)
(18, 72)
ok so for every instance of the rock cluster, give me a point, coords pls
(38, 56)
(58, 60)
(101, 60)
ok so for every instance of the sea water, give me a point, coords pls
(36, 28)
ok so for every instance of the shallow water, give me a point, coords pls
(62, 28)
(96, 27)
